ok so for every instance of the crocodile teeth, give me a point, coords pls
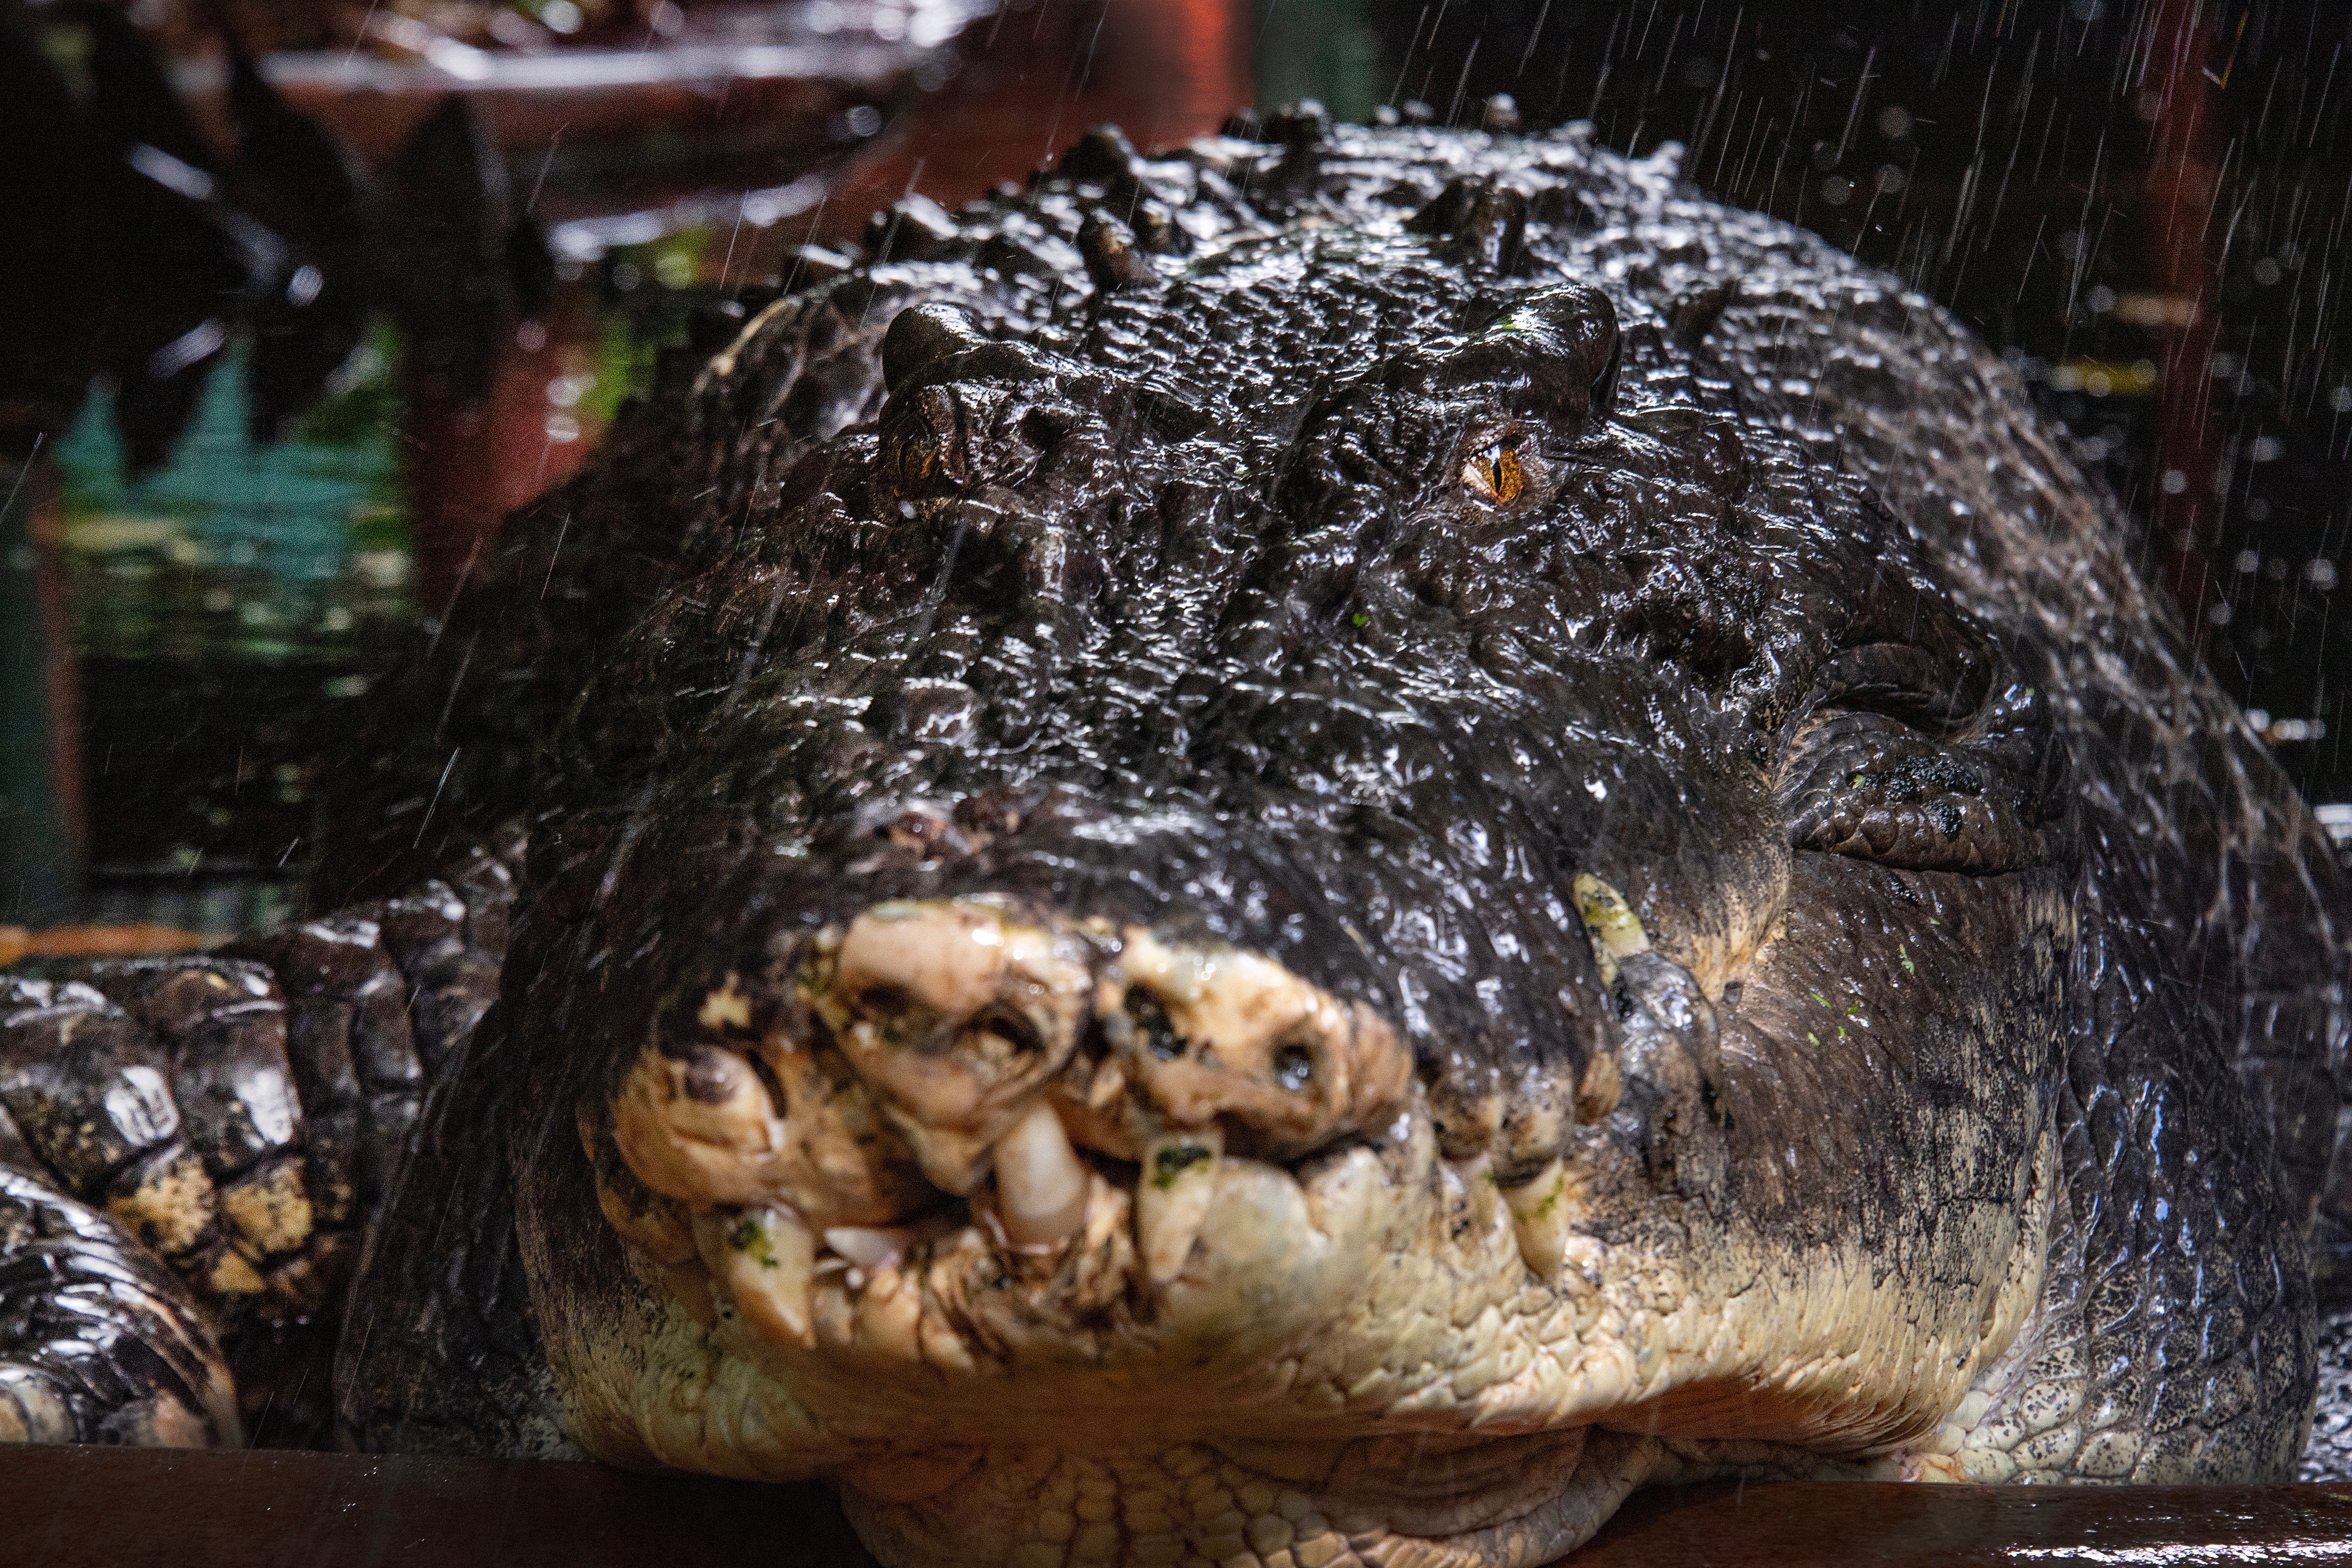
(1539, 1217)
(1041, 1187)
(1610, 923)
(764, 1258)
(1179, 1174)
(867, 1248)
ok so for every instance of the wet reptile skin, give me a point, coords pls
(1422, 559)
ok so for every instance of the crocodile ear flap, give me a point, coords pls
(1553, 357)
(1481, 220)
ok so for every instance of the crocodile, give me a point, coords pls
(1314, 851)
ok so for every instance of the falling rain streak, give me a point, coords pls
(2143, 204)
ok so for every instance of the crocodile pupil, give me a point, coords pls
(1495, 475)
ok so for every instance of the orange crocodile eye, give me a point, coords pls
(1493, 475)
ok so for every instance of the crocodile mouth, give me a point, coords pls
(955, 1197)
(949, 1127)
(952, 1143)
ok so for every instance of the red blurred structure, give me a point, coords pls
(1034, 77)
(469, 466)
(1037, 75)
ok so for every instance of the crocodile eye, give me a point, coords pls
(1493, 475)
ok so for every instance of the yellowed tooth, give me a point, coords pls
(867, 1247)
(1180, 1174)
(889, 1319)
(1539, 1215)
(1610, 923)
(1041, 1187)
(762, 1258)
(1599, 1088)
(1108, 1083)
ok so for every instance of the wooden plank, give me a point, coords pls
(1791, 1522)
(129, 1508)
(74, 1506)
(94, 942)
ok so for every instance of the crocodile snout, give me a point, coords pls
(933, 1076)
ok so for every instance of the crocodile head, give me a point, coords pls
(1313, 904)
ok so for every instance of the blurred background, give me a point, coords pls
(303, 295)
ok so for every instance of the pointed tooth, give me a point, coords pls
(1610, 923)
(889, 1319)
(763, 1258)
(1180, 1175)
(1540, 1214)
(1609, 920)
(866, 1247)
(1041, 1187)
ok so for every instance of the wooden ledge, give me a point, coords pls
(129, 1508)
(95, 941)
(1793, 1523)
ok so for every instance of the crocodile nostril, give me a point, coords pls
(887, 998)
(712, 1077)
(1158, 1032)
(952, 1013)
(1210, 1036)
(999, 1034)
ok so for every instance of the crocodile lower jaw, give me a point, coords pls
(1337, 1329)
(1428, 1501)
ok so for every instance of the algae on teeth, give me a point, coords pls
(763, 1258)
(1539, 1218)
(867, 1247)
(1180, 1175)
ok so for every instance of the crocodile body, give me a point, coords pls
(1316, 851)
